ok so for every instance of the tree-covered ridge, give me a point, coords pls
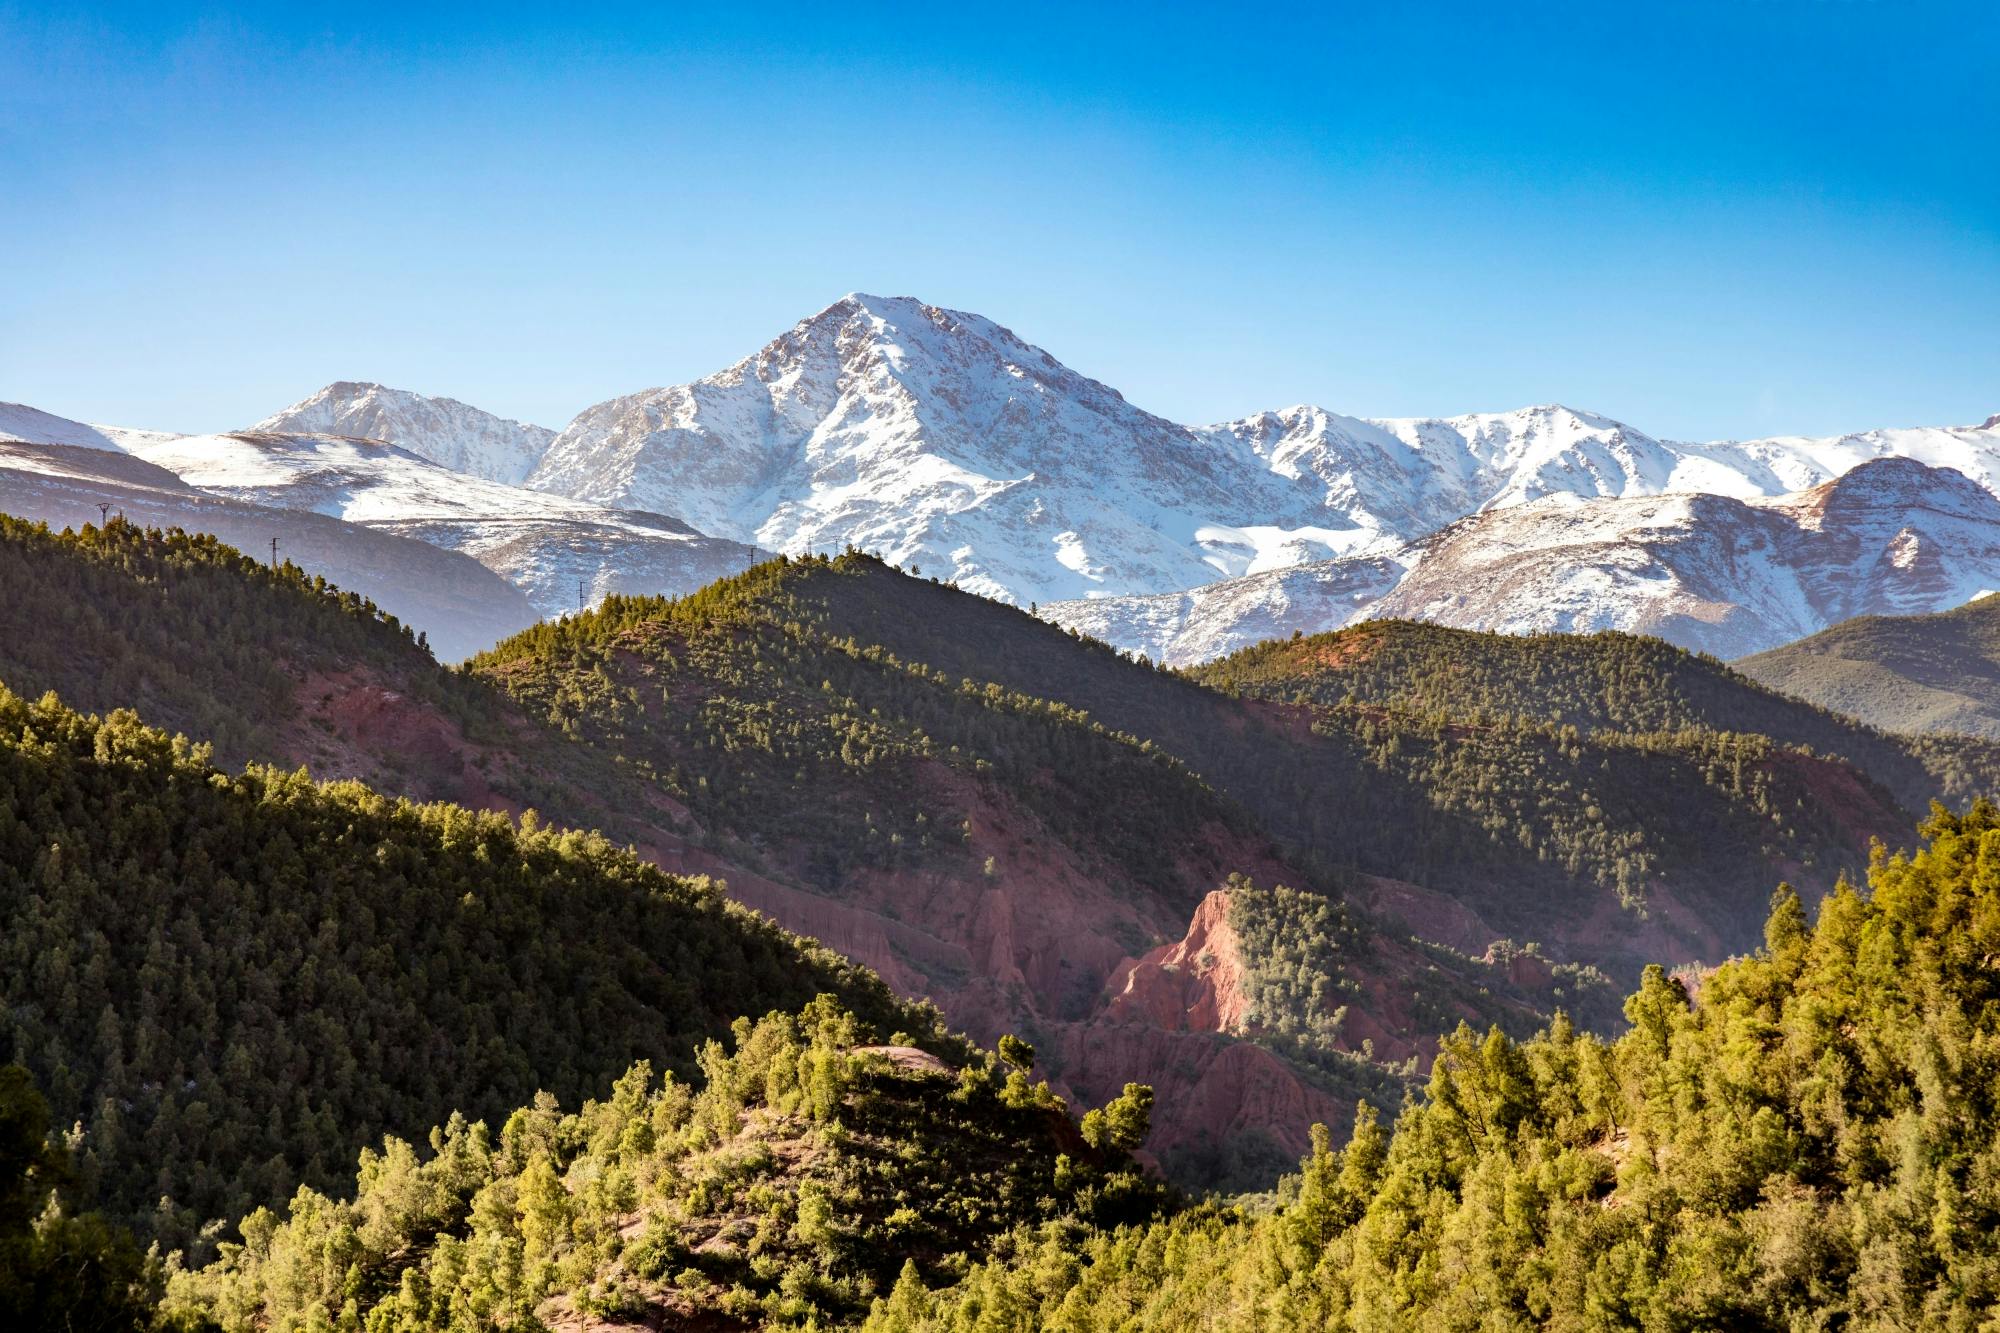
(1608, 681)
(1932, 673)
(200, 638)
(231, 982)
(775, 724)
(1811, 1141)
(796, 1183)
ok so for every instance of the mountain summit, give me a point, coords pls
(934, 437)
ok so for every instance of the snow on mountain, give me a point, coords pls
(1709, 572)
(1892, 536)
(445, 431)
(1801, 462)
(938, 438)
(21, 424)
(543, 544)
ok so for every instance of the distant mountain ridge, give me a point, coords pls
(1921, 673)
(258, 484)
(937, 437)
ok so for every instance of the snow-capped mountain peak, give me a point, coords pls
(937, 437)
(445, 431)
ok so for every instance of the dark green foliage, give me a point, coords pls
(1811, 1141)
(57, 1270)
(1936, 673)
(233, 982)
(807, 1174)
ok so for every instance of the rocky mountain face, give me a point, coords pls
(445, 431)
(1712, 573)
(936, 438)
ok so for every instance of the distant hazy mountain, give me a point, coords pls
(1903, 673)
(550, 548)
(545, 545)
(445, 431)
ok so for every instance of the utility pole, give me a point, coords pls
(103, 513)
(274, 552)
(579, 596)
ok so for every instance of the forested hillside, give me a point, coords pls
(1607, 681)
(233, 982)
(983, 878)
(1810, 1141)
(1806, 1138)
(1938, 673)
(1001, 853)
(1548, 831)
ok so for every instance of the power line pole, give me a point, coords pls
(274, 552)
(579, 596)
(103, 513)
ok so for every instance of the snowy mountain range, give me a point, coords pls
(1708, 572)
(940, 440)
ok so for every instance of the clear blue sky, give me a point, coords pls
(1708, 220)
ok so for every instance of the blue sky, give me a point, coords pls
(1709, 221)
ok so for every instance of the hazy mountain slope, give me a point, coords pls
(445, 431)
(542, 544)
(1934, 673)
(462, 605)
(555, 550)
(234, 983)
